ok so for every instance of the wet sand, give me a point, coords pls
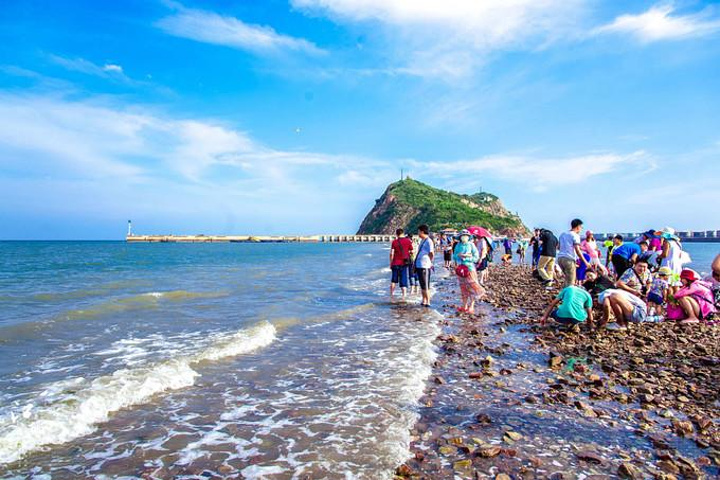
(511, 399)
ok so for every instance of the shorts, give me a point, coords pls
(655, 298)
(564, 320)
(639, 314)
(447, 256)
(424, 278)
(400, 274)
(482, 265)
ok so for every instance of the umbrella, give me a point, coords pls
(652, 234)
(479, 232)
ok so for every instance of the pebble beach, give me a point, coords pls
(509, 398)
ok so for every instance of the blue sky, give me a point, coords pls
(292, 116)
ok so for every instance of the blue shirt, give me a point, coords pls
(627, 250)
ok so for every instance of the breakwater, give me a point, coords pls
(259, 239)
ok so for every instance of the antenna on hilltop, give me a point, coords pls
(402, 174)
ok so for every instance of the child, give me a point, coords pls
(657, 296)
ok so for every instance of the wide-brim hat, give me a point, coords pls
(465, 233)
(689, 274)
(668, 233)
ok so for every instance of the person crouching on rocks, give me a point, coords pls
(572, 306)
(466, 256)
(695, 297)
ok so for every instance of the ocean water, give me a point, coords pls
(174, 360)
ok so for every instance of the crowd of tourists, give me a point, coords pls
(635, 280)
(643, 279)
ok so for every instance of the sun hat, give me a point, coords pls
(465, 232)
(668, 233)
(665, 271)
(689, 274)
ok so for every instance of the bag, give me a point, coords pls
(462, 271)
(675, 312)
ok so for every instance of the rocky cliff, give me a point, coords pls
(409, 203)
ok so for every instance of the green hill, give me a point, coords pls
(409, 203)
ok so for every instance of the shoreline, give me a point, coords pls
(508, 398)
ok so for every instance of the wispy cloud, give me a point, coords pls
(111, 71)
(659, 23)
(451, 39)
(210, 27)
(538, 173)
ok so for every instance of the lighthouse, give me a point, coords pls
(129, 234)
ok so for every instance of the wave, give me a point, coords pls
(143, 300)
(72, 408)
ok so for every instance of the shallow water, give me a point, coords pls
(272, 361)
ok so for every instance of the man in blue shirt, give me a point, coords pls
(624, 255)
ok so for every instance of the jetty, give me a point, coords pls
(131, 238)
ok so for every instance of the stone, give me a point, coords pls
(403, 471)
(447, 450)
(555, 360)
(483, 418)
(490, 451)
(502, 476)
(627, 470)
(463, 466)
(668, 466)
(589, 456)
(683, 428)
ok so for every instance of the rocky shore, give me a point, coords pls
(510, 399)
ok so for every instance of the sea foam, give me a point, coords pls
(73, 408)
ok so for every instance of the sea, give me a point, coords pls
(176, 360)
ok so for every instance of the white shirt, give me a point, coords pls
(423, 257)
(566, 247)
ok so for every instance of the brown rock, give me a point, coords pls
(483, 418)
(682, 428)
(555, 360)
(403, 471)
(502, 476)
(589, 456)
(668, 466)
(490, 451)
(627, 470)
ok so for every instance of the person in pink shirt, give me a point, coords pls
(589, 246)
(695, 297)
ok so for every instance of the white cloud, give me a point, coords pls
(110, 67)
(539, 174)
(209, 27)
(109, 70)
(451, 38)
(659, 23)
